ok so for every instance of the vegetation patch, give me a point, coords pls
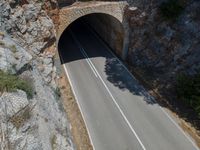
(2, 43)
(21, 117)
(172, 9)
(188, 90)
(13, 48)
(53, 142)
(11, 83)
(18, 2)
(1, 33)
(57, 93)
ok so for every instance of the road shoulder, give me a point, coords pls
(78, 128)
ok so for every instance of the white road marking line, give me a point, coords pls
(81, 50)
(113, 99)
(122, 113)
(91, 67)
(164, 111)
(172, 120)
(76, 97)
(88, 61)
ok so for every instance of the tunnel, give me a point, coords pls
(94, 44)
(108, 29)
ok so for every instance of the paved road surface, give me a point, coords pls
(118, 113)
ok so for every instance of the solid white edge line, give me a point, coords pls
(79, 105)
(119, 108)
(88, 61)
(164, 111)
(91, 67)
(113, 99)
(184, 133)
(79, 46)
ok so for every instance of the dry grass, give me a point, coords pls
(21, 117)
(2, 43)
(53, 142)
(79, 132)
(163, 101)
(1, 33)
(13, 48)
(10, 83)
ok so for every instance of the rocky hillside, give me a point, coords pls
(27, 50)
(165, 43)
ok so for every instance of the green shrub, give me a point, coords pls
(57, 92)
(171, 9)
(21, 117)
(13, 48)
(2, 43)
(188, 90)
(53, 142)
(2, 33)
(11, 83)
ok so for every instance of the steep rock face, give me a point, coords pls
(162, 48)
(16, 108)
(29, 24)
(27, 49)
(13, 57)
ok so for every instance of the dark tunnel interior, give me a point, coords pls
(106, 27)
(91, 40)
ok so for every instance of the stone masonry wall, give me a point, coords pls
(110, 30)
(115, 9)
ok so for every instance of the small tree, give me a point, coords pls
(171, 9)
(188, 90)
(11, 83)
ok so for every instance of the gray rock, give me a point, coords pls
(46, 22)
(31, 11)
(49, 108)
(36, 47)
(5, 9)
(12, 56)
(30, 26)
(165, 45)
(28, 23)
(18, 13)
(12, 103)
(48, 60)
(19, 20)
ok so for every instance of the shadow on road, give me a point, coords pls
(114, 70)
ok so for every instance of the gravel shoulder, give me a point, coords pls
(77, 125)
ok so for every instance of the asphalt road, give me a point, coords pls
(119, 114)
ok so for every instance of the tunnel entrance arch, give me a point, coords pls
(106, 27)
(106, 18)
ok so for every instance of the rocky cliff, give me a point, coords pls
(27, 49)
(164, 43)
